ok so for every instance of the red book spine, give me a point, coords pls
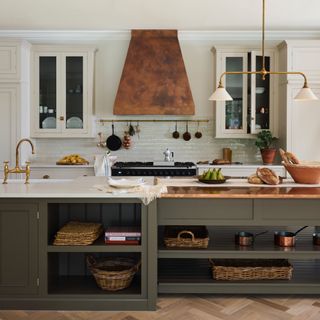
(126, 242)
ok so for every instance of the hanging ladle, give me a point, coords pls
(198, 134)
(186, 136)
(176, 134)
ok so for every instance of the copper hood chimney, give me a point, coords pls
(154, 79)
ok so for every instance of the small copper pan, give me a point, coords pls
(243, 238)
(316, 238)
(286, 238)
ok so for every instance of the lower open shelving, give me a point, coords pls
(194, 276)
(86, 285)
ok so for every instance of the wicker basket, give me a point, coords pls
(114, 273)
(186, 237)
(251, 269)
(76, 233)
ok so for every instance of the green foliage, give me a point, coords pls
(265, 139)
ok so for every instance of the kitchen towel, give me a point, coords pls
(103, 163)
(146, 193)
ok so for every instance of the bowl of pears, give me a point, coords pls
(213, 176)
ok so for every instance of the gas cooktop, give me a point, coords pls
(154, 169)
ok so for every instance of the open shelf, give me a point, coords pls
(97, 246)
(194, 276)
(86, 285)
(221, 245)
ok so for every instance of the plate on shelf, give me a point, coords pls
(74, 123)
(49, 123)
(260, 90)
(214, 181)
(126, 183)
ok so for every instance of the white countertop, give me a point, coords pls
(82, 187)
(91, 187)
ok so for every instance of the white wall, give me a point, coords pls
(154, 137)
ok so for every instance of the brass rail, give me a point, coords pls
(152, 120)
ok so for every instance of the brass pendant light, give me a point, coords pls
(305, 94)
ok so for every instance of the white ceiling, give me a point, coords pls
(176, 14)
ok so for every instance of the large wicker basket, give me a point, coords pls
(112, 273)
(251, 269)
(186, 237)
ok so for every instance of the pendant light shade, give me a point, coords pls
(221, 94)
(305, 94)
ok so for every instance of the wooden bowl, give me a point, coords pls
(306, 173)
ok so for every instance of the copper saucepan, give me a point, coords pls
(286, 238)
(316, 238)
(244, 238)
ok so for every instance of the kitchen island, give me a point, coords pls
(35, 274)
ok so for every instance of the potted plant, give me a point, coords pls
(265, 142)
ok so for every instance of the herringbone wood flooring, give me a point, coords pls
(193, 307)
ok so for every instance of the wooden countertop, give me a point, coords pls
(243, 192)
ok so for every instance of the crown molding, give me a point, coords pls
(40, 36)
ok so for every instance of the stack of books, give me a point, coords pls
(122, 235)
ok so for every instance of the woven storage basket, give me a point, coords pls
(78, 233)
(186, 237)
(251, 269)
(114, 273)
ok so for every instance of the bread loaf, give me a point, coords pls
(268, 176)
(254, 179)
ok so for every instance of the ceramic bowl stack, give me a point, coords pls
(76, 233)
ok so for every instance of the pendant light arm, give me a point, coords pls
(263, 73)
(238, 72)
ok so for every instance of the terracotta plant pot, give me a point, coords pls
(268, 155)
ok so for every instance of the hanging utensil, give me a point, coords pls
(101, 143)
(176, 134)
(186, 136)
(131, 130)
(198, 134)
(137, 129)
(113, 142)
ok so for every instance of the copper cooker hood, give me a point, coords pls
(154, 79)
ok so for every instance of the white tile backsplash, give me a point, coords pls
(154, 139)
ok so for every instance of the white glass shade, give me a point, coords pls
(305, 94)
(220, 94)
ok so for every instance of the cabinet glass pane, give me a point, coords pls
(262, 92)
(234, 85)
(74, 92)
(47, 92)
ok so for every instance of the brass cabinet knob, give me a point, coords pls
(61, 118)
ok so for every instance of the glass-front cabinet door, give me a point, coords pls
(260, 106)
(233, 114)
(63, 89)
(75, 89)
(252, 108)
(46, 91)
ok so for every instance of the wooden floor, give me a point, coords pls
(196, 308)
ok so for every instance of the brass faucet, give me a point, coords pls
(17, 168)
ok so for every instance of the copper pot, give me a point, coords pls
(244, 238)
(286, 238)
(316, 239)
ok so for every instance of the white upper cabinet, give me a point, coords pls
(62, 86)
(14, 64)
(253, 107)
(299, 120)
